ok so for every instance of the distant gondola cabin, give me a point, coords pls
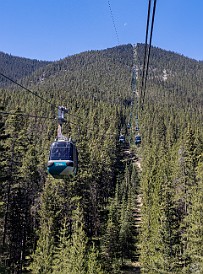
(137, 139)
(122, 139)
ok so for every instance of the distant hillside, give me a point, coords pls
(18, 67)
(106, 74)
(102, 75)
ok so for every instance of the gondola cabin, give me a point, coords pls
(63, 159)
(122, 139)
(137, 139)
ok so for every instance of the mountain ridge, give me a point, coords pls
(18, 68)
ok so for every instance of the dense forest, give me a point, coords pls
(129, 209)
(18, 68)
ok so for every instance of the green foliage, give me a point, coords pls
(57, 221)
(43, 256)
(93, 265)
(17, 68)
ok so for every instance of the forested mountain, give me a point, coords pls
(90, 223)
(17, 67)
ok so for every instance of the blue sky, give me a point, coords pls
(54, 29)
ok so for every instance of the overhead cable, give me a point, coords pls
(114, 25)
(30, 91)
(27, 115)
(147, 50)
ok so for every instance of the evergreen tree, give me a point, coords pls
(78, 244)
(110, 241)
(43, 256)
(70, 256)
(16, 147)
(93, 264)
(61, 262)
(194, 250)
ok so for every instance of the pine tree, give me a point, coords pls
(93, 264)
(61, 262)
(78, 244)
(126, 231)
(16, 147)
(48, 212)
(194, 250)
(30, 188)
(110, 240)
(188, 162)
(43, 256)
(3, 178)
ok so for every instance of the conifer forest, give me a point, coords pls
(130, 208)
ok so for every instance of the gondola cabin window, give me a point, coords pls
(61, 151)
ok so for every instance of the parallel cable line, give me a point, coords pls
(147, 52)
(146, 46)
(114, 25)
(32, 92)
(45, 117)
(27, 115)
